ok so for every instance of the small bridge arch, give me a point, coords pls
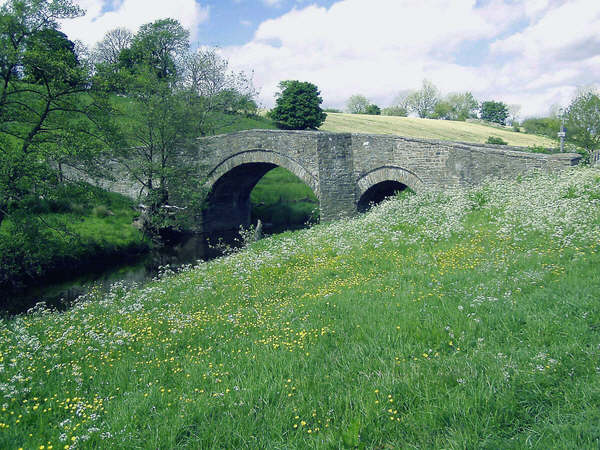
(383, 182)
(230, 183)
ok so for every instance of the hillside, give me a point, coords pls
(463, 319)
(429, 129)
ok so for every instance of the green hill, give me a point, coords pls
(446, 130)
(460, 319)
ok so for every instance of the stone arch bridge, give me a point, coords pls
(345, 171)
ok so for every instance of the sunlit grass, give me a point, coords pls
(462, 319)
(446, 130)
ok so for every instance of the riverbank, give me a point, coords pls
(82, 229)
(457, 319)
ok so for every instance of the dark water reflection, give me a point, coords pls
(60, 295)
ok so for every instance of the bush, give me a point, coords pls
(545, 126)
(373, 110)
(496, 141)
(398, 111)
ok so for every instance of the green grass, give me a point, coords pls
(445, 130)
(80, 228)
(282, 200)
(463, 319)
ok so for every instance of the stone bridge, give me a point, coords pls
(345, 171)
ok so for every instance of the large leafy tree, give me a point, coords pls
(45, 101)
(493, 111)
(159, 116)
(298, 106)
(583, 120)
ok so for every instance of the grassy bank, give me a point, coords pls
(82, 227)
(459, 319)
(445, 130)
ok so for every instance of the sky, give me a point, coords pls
(533, 53)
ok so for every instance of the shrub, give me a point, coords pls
(399, 111)
(496, 141)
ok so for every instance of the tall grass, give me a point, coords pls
(457, 319)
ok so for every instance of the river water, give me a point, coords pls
(60, 295)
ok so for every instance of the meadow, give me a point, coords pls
(456, 319)
(445, 130)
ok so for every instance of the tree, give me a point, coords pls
(357, 104)
(513, 114)
(373, 110)
(464, 106)
(298, 106)
(399, 106)
(207, 75)
(159, 117)
(493, 111)
(583, 120)
(157, 45)
(545, 126)
(423, 101)
(107, 51)
(443, 110)
(46, 101)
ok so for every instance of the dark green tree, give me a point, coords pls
(493, 111)
(373, 110)
(583, 121)
(156, 46)
(298, 106)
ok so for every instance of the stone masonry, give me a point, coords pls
(340, 168)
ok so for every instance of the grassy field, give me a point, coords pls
(463, 319)
(446, 130)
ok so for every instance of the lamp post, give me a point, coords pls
(562, 133)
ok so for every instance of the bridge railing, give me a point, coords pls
(595, 158)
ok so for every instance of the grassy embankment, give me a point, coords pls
(84, 227)
(445, 130)
(463, 319)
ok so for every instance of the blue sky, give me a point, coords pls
(233, 22)
(532, 53)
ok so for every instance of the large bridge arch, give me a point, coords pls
(382, 182)
(230, 183)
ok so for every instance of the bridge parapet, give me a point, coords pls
(341, 168)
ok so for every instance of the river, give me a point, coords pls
(61, 294)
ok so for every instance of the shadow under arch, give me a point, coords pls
(231, 182)
(384, 182)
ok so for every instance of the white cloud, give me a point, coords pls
(376, 48)
(541, 49)
(131, 14)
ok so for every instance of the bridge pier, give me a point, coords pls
(336, 181)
